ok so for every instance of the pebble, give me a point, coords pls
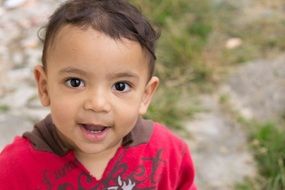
(20, 51)
(10, 4)
(257, 89)
(17, 58)
(29, 42)
(233, 43)
(17, 76)
(219, 148)
(12, 125)
(2, 11)
(19, 98)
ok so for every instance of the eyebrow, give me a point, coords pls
(123, 75)
(72, 70)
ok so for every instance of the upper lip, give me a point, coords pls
(92, 127)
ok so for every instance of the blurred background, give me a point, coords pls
(222, 67)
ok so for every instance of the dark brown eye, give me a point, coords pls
(74, 82)
(121, 86)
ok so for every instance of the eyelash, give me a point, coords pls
(68, 81)
(128, 85)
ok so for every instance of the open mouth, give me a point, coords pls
(94, 128)
(94, 133)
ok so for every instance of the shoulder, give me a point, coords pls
(19, 146)
(13, 159)
(22, 154)
(176, 157)
(15, 152)
(163, 136)
(172, 146)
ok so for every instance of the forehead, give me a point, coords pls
(84, 45)
(75, 34)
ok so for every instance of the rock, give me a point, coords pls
(259, 88)
(37, 114)
(255, 90)
(19, 97)
(17, 76)
(219, 148)
(19, 51)
(233, 43)
(30, 42)
(2, 11)
(33, 57)
(11, 126)
(17, 58)
(10, 4)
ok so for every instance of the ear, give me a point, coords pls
(148, 94)
(41, 79)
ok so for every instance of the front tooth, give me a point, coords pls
(96, 131)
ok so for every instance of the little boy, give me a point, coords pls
(97, 79)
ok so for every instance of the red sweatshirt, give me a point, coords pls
(151, 157)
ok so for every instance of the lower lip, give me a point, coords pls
(94, 137)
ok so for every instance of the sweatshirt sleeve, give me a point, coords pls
(8, 172)
(187, 173)
(11, 173)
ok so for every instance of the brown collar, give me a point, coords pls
(45, 137)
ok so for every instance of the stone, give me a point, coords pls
(233, 43)
(219, 148)
(11, 126)
(259, 88)
(9, 4)
(19, 97)
(2, 11)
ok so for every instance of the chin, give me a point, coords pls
(91, 150)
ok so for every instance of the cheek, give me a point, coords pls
(63, 108)
(60, 100)
(63, 104)
(127, 111)
(61, 112)
(128, 104)
(125, 120)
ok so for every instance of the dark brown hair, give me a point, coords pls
(115, 18)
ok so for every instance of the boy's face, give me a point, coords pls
(96, 87)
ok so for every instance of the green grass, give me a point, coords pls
(248, 184)
(268, 146)
(192, 57)
(191, 50)
(185, 27)
(166, 108)
(269, 151)
(4, 108)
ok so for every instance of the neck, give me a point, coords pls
(103, 155)
(96, 163)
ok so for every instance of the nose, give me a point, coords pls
(97, 101)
